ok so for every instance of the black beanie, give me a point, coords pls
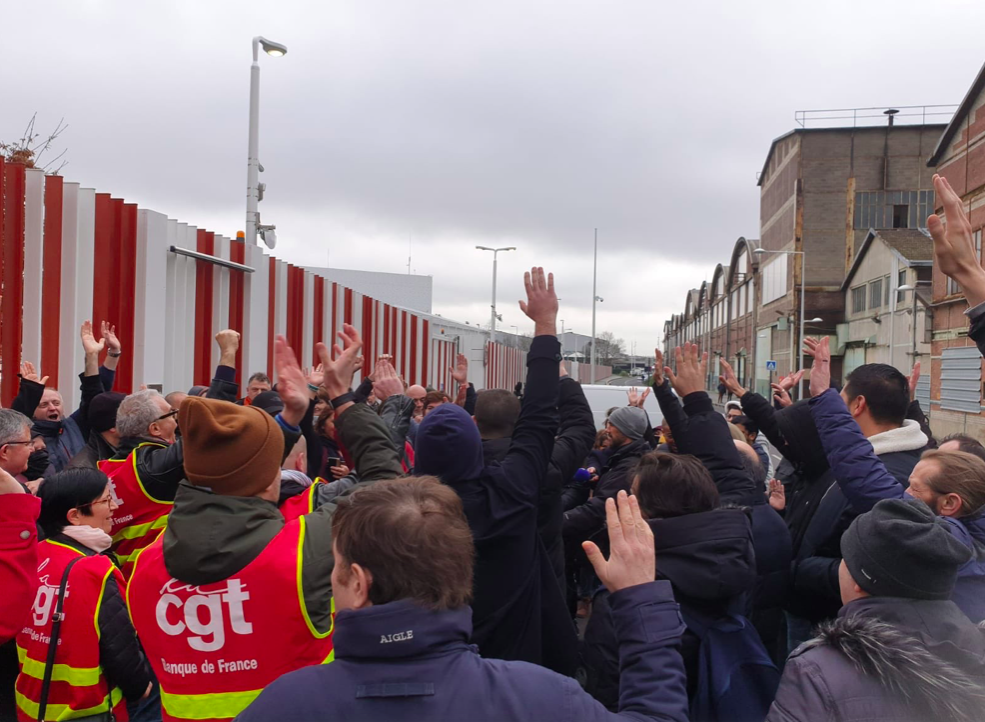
(102, 411)
(902, 549)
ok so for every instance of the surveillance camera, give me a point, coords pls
(269, 236)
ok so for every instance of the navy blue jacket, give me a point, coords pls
(399, 661)
(518, 610)
(865, 480)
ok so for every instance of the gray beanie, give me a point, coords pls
(630, 420)
(902, 549)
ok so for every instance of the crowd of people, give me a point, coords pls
(393, 552)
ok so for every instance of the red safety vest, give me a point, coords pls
(140, 517)
(215, 647)
(78, 686)
(301, 504)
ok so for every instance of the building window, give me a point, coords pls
(885, 290)
(858, 299)
(952, 287)
(875, 294)
(774, 279)
(900, 281)
(893, 209)
(978, 244)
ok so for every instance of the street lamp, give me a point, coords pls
(595, 299)
(904, 288)
(254, 189)
(803, 269)
(492, 322)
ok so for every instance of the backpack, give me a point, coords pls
(737, 680)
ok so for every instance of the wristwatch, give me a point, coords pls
(114, 355)
(345, 398)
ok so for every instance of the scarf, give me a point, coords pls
(89, 537)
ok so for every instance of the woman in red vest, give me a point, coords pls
(98, 665)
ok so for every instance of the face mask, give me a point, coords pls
(37, 464)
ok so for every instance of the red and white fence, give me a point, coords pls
(68, 254)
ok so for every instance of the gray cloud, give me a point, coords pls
(462, 123)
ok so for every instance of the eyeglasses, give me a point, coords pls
(18, 443)
(171, 413)
(107, 501)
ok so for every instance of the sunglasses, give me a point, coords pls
(170, 414)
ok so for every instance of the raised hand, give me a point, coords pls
(777, 495)
(658, 367)
(954, 246)
(731, 382)
(291, 384)
(541, 304)
(29, 373)
(781, 396)
(632, 559)
(821, 370)
(633, 396)
(691, 370)
(90, 345)
(387, 382)
(914, 380)
(460, 371)
(109, 337)
(316, 376)
(646, 392)
(339, 373)
(228, 341)
(790, 380)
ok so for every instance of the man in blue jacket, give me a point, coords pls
(402, 580)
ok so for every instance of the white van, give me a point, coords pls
(602, 398)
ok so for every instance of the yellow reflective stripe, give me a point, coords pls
(133, 455)
(138, 530)
(304, 608)
(75, 676)
(99, 603)
(62, 711)
(217, 705)
(63, 546)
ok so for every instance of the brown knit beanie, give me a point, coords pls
(230, 449)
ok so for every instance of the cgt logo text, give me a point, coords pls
(397, 637)
(203, 613)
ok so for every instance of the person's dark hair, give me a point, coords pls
(959, 473)
(326, 398)
(67, 490)
(967, 444)
(746, 423)
(601, 438)
(669, 485)
(435, 397)
(259, 376)
(496, 412)
(412, 536)
(886, 392)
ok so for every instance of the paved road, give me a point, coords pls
(631, 381)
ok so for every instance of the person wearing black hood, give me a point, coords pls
(65, 436)
(103, 437)
(519, 611)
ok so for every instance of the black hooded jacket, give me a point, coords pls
(518, 611)
(709, 560)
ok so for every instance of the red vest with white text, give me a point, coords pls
(78, 686)
(301, 504)
(215, 647)
(140, 517)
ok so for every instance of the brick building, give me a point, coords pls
(821, 192)
(956, 377)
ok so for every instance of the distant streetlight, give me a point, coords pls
(492, 321)
(803, 270)
(254, 189)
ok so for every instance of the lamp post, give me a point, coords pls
(254, 189)
(803, 268)
(904, 288)
(595, 299)
(492, 320)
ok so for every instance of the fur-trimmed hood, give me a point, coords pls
(947, 683)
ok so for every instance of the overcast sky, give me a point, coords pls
(443, 125)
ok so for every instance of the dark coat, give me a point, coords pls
(518, 610)
(584, 521)
(887, 659)
(398, 661)
(64, 439)
(96, 449)
(709, 560)
(864, 479)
